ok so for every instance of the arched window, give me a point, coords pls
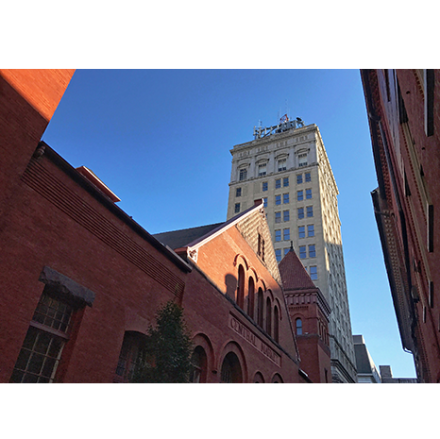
(268, 316)
(239, 297)
(276, 324)
(231, 369)
(260, 303)
(129, 356)
(258, 378)
(251, 298)
(198, 362)
(277, 379)
(299, 327)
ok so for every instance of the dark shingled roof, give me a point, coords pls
(181, 238)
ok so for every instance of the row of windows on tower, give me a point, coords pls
(262, 171)
(301, 233)
(285, 198)
(286, 214)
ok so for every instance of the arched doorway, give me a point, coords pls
(231, 369)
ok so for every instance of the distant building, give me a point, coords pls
(366, 369)
(287, 166)
(403, 109)
(387, 377)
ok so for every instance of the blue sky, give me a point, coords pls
(160, 139)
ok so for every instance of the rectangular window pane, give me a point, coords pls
(243, 174)
(264, 186)
(277, 235)
(312, 253)
(311, 230)
(286, 215)
(301, 232)
(300, 195)
(308, 194)
(302, 252)
(286, 181)
(282, 165)
(301, 213)
(314, 273)
(277, 217)
(277, 199)
(278, 254)
(265, 202)
(238, 192)
(286, 234)
(278, 183)
(261, 170)
(309, 211)
(237, 207)
(299, 178)
(308, 177)
(286, 250)
(285, 198)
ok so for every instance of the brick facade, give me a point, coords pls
(65, 241)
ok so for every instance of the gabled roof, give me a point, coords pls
(181, 238)
(293, 273)
(195, 235)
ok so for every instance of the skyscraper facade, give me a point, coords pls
(287, 166)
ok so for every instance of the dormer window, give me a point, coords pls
(302, 159)
(282, 165)
(242, 174)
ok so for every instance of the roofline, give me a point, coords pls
(194, 245)
(89, 187)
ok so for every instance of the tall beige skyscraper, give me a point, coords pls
(287, 166)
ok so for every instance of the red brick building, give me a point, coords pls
(246, 309)
(309, 312)
(81, 281)
(404, 115)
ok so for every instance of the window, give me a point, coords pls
(302, 252)
(231, 369)
(300, 196)
(42, 347)
(309, 211)
(278, 183)
(301, 213)
(268, 316)
(237, 207)
(285, 198)
(243, 174)
(238, 192)
(286, 250)
(278, 254)
(308, 194)
(286, 216)
(264, 186)
(277, 235)
(239, 294)
(286, 234)
(262, 170)
(265, 202)
(314, 273)
(260, 247)
(302, 159)
(277, 199)
(312, 252)
(282, 165)
(301, 231)
(260, 303)
(276, 324)
(308, 177)
(277, 217)
(198, 366)
(129, 356)
(299, 327)
(429, 81)
(310, 230)
(286, 181)
(299, 179)
(251, 297)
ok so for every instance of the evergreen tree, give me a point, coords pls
(166, 355)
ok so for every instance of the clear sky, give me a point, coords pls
(160, 139)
